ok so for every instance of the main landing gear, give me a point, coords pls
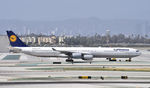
(69, 60)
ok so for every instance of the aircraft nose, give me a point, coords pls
(138, 52)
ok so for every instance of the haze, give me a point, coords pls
(49, 10)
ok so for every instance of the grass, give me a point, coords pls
(94, 69)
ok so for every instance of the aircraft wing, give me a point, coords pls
(70, 52)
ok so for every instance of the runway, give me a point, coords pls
(78, 82)
(24, 70)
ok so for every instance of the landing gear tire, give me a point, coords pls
(107, 58)
(129, 59)
(90, 62)
(69, 60)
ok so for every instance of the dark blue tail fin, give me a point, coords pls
(14, 40)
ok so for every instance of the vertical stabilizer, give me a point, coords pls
(14, 40)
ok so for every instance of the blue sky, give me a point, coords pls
(67, 9)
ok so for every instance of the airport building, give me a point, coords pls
(4, 43)
(61, 40)
(39, 39)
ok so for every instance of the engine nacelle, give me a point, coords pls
(87, 57)
(76, 55)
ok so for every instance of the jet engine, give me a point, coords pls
(76, 55)
(87, 57)
(82, 56)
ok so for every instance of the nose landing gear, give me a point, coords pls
(129, 60)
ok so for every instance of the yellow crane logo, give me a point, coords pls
(13, 38)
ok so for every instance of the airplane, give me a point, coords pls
(84, 53)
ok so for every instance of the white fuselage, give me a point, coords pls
(101, 52)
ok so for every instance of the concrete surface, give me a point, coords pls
(19, 71)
